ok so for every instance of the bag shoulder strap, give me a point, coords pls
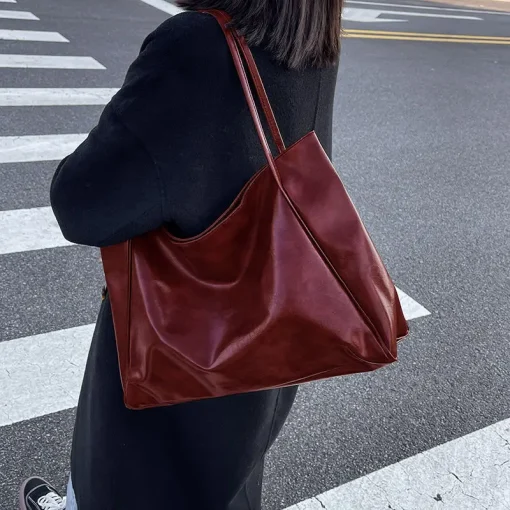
(261, 91)
(237, 44)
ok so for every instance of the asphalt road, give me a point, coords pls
(422, 144)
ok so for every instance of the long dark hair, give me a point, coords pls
(299, 33)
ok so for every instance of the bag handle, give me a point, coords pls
(261, 92)
(223, 19)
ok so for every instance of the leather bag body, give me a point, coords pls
(286, 287)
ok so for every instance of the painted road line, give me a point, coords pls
(424, 39)
(56, 97)
(18, 15)
(42, 374)
(24, 230)
(31, 35)
(48, 62)
(412, 309)
(372, 15)
(428, 15)
(421, 34)
(423, 7)
(163, 6)
(8, 1)
(469, 473)
(23, 149)
(367, 16)
(47, 390)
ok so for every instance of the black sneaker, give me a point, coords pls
(38, 494)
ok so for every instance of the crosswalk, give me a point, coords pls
(30, 231)
(30, 387)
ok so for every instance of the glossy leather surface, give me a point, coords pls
(285, 288)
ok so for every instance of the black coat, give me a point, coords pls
(174, 147)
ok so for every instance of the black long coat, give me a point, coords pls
(174, 147)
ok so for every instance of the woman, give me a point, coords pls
(174, 147)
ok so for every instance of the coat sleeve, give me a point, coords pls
(109, 190)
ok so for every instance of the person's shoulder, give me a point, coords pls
(184, 48)
(189, 20)
(185, 30)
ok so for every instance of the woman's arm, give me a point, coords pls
(108, 190)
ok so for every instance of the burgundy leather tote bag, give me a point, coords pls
(286, 287)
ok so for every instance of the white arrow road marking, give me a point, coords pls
(372, 15)
(22, 149)
(55, 97)
(431, 15)
(425, 8)
(468, 473)
(31, 35)
(365, 16)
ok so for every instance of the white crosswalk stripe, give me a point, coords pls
(164, 6)
(459, 475)
(48, 62)
(55, 96)
(18, 15)
(29, 229)
(412, 309)
(31, 35)
(30, 386)
(22, 149)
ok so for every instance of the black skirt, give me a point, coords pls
(206, 455)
